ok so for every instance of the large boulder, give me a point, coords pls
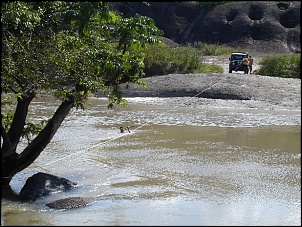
(42, 184)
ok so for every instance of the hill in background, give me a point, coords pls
(258, 26)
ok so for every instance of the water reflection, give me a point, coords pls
(176, 167)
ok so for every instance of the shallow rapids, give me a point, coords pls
(179, 165)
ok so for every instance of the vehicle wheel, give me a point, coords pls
(230, 71)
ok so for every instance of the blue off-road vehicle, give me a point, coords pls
(236, 61)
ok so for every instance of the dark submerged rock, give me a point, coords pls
(42, 184)
(71, 203)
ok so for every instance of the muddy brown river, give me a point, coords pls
(178, 165)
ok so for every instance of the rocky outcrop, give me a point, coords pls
(42, 184)
(253, 26)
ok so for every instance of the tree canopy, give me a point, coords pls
(71, 49)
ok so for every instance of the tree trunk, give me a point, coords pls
(11, 140)
(13, 162)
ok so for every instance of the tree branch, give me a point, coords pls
(33, 150)
(20, 115)
(7, 147)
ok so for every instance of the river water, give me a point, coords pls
(177, 166)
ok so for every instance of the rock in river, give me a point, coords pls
(71, 202)
(42, 184)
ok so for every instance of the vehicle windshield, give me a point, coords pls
(237, 57)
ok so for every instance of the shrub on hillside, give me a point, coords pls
(162, 59)
(214, 49)
(211, 4)
(283, 65)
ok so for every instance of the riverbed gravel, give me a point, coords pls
(224, 90)
(232, 90)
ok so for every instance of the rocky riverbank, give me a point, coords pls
(232, 90)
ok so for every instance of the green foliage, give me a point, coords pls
(211, 4)
(7, 119)
(61, 45)
(214, 49)
(283, 65)
(163, 59)
(135, 30)
(209, 68)
(72, 49)
(30, 130)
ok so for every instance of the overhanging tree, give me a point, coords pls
(69, 49)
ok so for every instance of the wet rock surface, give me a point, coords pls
(71, 203)
(42, 184)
